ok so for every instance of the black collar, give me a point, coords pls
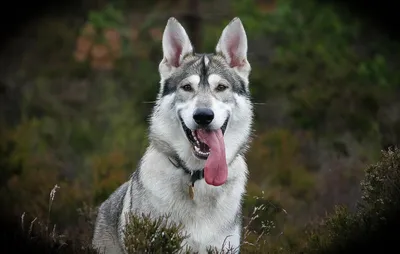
(194, 174)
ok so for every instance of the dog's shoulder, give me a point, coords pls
(112, 207)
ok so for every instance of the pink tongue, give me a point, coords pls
(216, 170)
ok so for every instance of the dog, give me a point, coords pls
(194, 168)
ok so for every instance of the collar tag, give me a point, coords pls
(191, 191)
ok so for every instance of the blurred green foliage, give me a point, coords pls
(106, 18)
(325, 86)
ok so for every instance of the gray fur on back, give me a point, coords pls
(107, 221)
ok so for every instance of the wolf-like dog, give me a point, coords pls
(194, 169)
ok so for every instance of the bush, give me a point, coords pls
(376, 221)
(147, 235)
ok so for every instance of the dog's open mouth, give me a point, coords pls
(200, 149)
(209, 145)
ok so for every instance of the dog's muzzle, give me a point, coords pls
(200, 149)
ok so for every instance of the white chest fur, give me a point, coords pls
(209, 219)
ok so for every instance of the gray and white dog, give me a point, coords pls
(194, 168)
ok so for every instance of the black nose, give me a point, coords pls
(203, 116)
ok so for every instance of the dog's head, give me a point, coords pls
(203, 112)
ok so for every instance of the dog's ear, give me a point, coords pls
(175, 44)
(233, 46)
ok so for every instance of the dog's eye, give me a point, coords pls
(221, 87)
(187, 88)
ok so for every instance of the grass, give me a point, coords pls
(142, 234)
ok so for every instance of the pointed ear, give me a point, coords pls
(175, 44)
(233, 46)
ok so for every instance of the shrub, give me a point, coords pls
(144, 234)
(376, 221)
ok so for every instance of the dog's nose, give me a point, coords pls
(203, 116)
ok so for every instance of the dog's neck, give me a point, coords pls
(194, 174)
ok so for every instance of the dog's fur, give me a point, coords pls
(159, 186)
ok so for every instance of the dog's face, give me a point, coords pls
(203, 112)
